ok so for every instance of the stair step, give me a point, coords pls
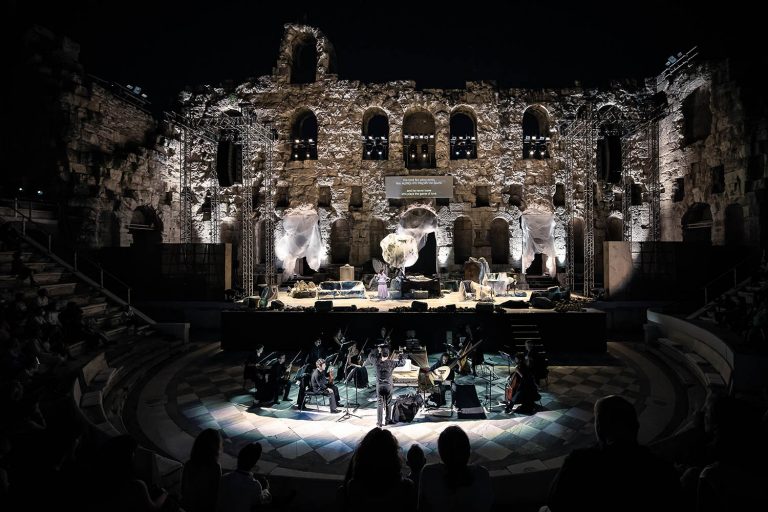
(7, 256)
(58, 289)
(36, 266)
(90, 310)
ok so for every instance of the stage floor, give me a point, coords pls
(385, 305)
(205, 390)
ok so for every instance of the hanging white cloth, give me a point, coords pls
(539, 237)
(301, 239)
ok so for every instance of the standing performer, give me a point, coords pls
(383, 288)
(316, 352)
(279, 379)
(323, 383)
(384, 365)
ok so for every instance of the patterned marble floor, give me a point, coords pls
(205, 390)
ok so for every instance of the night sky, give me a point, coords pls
(165, 45)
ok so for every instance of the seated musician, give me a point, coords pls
(279, 379)
(251, 368)
(355, 364)
(445, 383)
(521, 388)
(316, 352)
(339, 339)
(384, 338)
(536, 361)
(321, 383)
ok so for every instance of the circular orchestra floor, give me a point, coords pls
(205, 389)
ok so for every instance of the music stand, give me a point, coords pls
(348, 414)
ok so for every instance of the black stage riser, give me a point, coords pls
(292, 330)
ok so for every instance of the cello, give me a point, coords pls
(513, 385)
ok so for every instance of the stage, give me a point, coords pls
(243, 328)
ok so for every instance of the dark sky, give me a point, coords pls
(165, 45)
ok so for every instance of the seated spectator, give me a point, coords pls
(240, 491)
(376, 481)
(42, 300)
(201, 474)
(416, 461)
(453, 484)
(617, 473)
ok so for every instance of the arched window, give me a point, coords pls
(535, 133)
(145, 226)
(304, 136)
(697, 116)
(304, 62)
(614, 231)
(609, 153)
(463, 235)
(377, 231)
(375, 135)
(463, 136)
(499, 238)
(419, 141)
(340, 237)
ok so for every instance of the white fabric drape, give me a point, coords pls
(301, 239)
(539, 237)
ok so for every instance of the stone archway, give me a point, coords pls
(697, 224)
(145, 226)
(614, 229)
(498, 235)
(340, 241)
(463, 235)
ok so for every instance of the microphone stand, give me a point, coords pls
(348, 414)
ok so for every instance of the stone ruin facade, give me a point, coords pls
(121, 167)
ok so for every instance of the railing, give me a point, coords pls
(71, 257)
(731, 278)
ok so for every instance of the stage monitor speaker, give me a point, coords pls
(450, 308)
(323, 306)
(515, 304)
(418, 305)
(484, 307)
(277, 304)
(345, 308)
(229, 163)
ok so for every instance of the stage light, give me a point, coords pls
(457, 153)
(295, 156)
(413, 155)
(21, 189)
(368, 152)
(307, 155)
(39, 192)
(380, 152)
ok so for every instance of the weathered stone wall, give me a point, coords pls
(734, 142)
(340, 107)
(110, 159)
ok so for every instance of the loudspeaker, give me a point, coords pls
(450, 308)
(323, 306)
(515, 304)
(417, 305)
(229, 163)
(276, 304)
(542, 303)
(484, 307)
(345, 308)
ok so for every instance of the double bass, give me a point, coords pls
(513, 385)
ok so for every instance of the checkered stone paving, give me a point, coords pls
(209, 393)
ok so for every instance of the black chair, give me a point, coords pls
(316, 395)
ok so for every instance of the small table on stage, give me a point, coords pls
(432, 286)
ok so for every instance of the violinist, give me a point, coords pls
(521, 388)
(316, 352)
(252, 368)
(279, 379)
(322, 382)
(384, 338)
(340, 340)
(354, 364)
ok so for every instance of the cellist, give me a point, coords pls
(521, 388)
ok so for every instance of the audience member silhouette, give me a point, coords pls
(453, 484)
(240, 490)
(376, 482)
(617, 473)
(201, 474)
(415, 459)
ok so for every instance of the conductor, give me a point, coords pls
(384, 364)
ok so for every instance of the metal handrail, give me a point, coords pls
(731, 278)
(78, 260)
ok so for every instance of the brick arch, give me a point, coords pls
(463, 239)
